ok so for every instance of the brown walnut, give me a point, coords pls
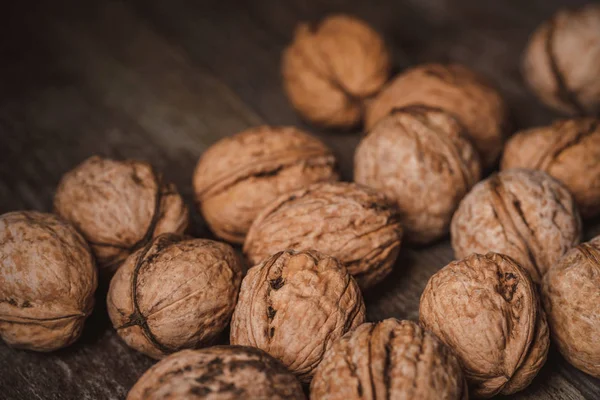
(47, 281)
(347, 221)
(569, 151)
(389, 360)
(118, 206)
(240, 175)
(173, 294)
(487, 310)
(330, 69)
(218, 373)
(420, 158)
(294, 305)
(525, 214)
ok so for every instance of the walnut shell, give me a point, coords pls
(118, 206)
(47, 281)
(571, 294)
(347, 221)
(455, 89)
(217, 373)
(561, 63)
(569, 151)
(174, 293)
(240, 175)
(294, 305)
(420, 158)
(486, 308)
(525, 214)
(330, 69)
(389, 360)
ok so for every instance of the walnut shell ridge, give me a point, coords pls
(490, 294)
(294, 305)
(389, 360)
(173, 294)
(47, 281)
(240, 175)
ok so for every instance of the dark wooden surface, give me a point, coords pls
(162, 80)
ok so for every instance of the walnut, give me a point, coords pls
(419, 157)
(218, 373)
(525, 214)
(568, 150)
(455, 89)
(571, 294)
(174, 293)
(347, 221)
(240, 175)
(389, 360)
(331, 69)
(294, 305)
(486, 308)
(47, 281)
(562, 61)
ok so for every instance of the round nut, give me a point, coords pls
(389, 360)
(173, 294)
(294, 305)
(329, 70)
(47, 281)
(487, 310)
(525, 214)
(240, 175)
(420, 158)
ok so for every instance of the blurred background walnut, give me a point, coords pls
(173, 294)
(420, 158)
(118, 206)
(389, 360)
(525, 214)
(487, 310)
(47, 281)
(294, 305)
(238, 176)
(569, 151)
(331, 68)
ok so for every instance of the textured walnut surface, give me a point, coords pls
(217, 373)
(420, 158)
(174, 293)
(240, 175)
(487, 310)
(344, 220)
(47, 281)
(524, 214)
(294, 305)
(389, 360)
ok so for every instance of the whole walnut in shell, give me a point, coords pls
(455, 89)
(347, 221)
(47, 281)
(330, 69)
(569, 151)
(240, 175)
(294, 305)
(118, 206)
(174, 293)
(389, 360)
(571, 294)
(487, 310)
(525, 214)
(218, 373)
(420, 158)
(562, 61)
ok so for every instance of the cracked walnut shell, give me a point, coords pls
(493, 295)
(294, 305)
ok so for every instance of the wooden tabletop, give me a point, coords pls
(163, 80)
